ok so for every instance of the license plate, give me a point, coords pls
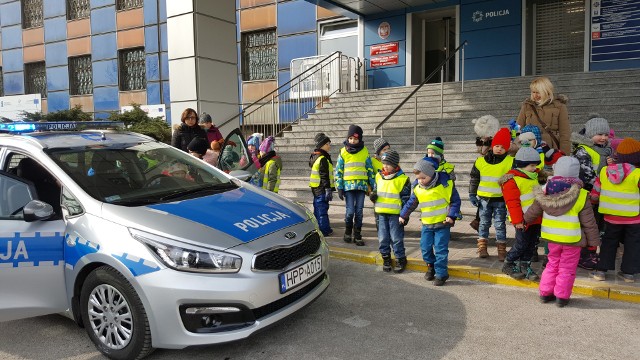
(300, 274)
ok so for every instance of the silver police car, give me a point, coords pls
(146, 246)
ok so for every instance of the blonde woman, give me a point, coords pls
(549, 112)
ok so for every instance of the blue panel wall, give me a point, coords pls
(163, 37)
(55, 29)
(57, 100)
(10, 14)
(153, 93)
(98, 3)
(56, 53)
(162, 5)
(150, 12)
(615, 35)
(12, 60)
(392, 75)
(104, 47)
(493, 28)
(12, 37)
(106, 98)
(165, 93)
(103, 20)
(296, 17)
(52, 8)
(153, 67)
(296, 46)
(14, 83)
(57, 78)
(164, 66)
(151, 39)
(105, 72)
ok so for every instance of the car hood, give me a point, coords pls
(220, 221)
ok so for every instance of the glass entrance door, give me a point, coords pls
(439, 42)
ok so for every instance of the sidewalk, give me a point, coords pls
(463, 259)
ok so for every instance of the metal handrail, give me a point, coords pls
(435, 71)
(276, 91)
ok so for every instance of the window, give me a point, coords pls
(259, 55)
(80, 75)
(1, 83)
(31, 13)
(35, 79)
(129, 4)
(78, 9)
(132, 69)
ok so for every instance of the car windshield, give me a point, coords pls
(139, 174)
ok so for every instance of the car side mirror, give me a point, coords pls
(37, 210)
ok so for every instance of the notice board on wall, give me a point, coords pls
(615, 30)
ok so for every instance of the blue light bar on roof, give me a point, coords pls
(26, 127)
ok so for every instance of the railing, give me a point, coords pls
(439, 68)
(317, 79)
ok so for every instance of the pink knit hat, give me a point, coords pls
(267, 145)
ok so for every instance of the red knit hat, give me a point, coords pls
(502, 137)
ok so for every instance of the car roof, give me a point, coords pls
(74, 139)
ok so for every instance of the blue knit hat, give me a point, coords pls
(437, 145)
(535, 130)
(254, 140)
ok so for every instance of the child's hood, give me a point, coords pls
(616, 173)
(558, 204)
(510, 175)
(580, 139)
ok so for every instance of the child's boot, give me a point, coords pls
(528, 272)
(347, 234)
(431, 273)
(386, 263)
(502, 251)
(357, 236)
(401, 264)
(535, 257)
(482, 248)
(513, 269)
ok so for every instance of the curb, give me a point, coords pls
(612, 292)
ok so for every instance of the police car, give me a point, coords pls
(146, 246)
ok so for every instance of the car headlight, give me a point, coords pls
(182, 258)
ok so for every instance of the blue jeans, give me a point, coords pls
(496, 210)
(354, 200)
(321, 212)
(436, 240)
(390, 231)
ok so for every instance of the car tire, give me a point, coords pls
(114, 315)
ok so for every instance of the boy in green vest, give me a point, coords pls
(485, 192)
(354, 179)
(270, 165)
(393, 189)
(439, 202)
(518, 189)
(321, 181)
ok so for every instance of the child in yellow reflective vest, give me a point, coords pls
(321, 181)
(567, 214)
(380, 146)
(619, 196)
(439, 202)
(485, 192)
(393, 189)
(270, 165)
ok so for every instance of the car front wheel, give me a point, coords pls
(114, 316)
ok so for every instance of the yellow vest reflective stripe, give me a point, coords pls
(564, 229)
(620, 199)
(526, 186)
(433, 203)
(314, 179)
(355, 164)
(489, 175)
(377, 165)
(446, 167)
(265, 176)
(595, 157)
(388, 201)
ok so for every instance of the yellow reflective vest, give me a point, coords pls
(314, 179)
(541, 165)
(620, 199)
(388, 191)
(377, 165)
(527, 196)
(595, 157)
(355, 164)
(265, 176)
(434, 202)
(489, 175)
(564, 229)
(446, 167)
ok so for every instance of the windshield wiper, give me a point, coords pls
(134, 202)
(208, 189)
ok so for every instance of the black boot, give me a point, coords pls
(386, 263)
(347, 233)
(513, 269)
(431, 273)
(535, 257)
(357, 237)
(401, 264)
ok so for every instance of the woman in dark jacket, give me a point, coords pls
(188, 130)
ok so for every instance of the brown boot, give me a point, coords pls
(502, 251)
(482, 248)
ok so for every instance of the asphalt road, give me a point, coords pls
(368, 314)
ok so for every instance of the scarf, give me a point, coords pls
(353, 148)
(532, 175)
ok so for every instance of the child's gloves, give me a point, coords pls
(373, 196)
(474, 200)
(328, 194)
(341, 194)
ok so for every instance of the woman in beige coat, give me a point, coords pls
(552, 110)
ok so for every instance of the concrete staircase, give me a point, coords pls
(612, 94)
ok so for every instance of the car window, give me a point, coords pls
(17, 193)
(234, 156)
(71, 204)
(137, 174)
